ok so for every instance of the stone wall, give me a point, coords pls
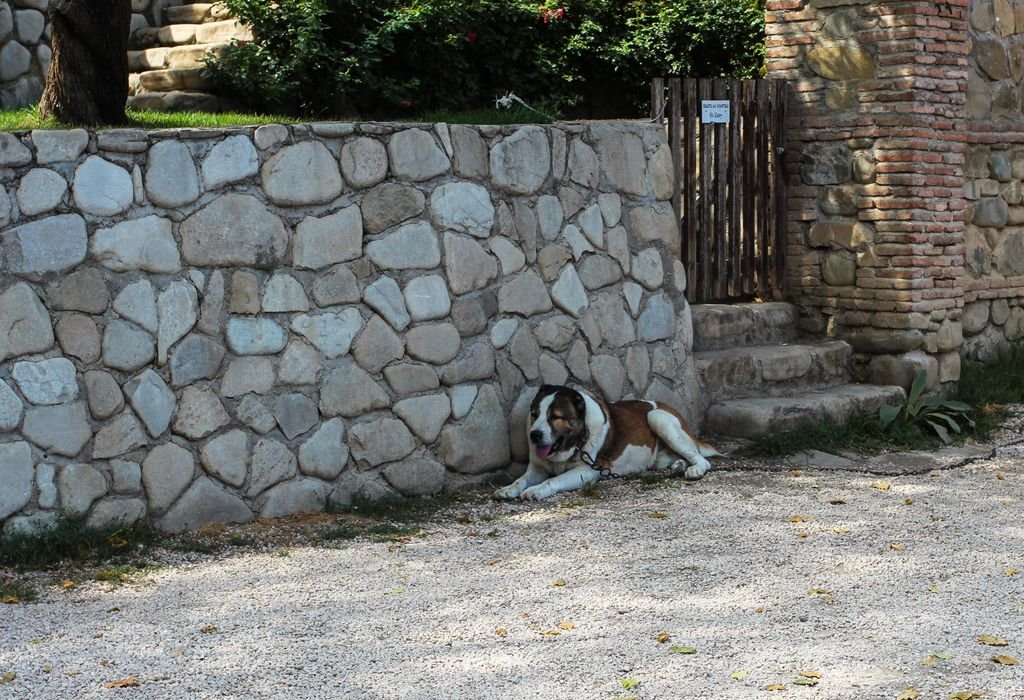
(208, 325)
(994, 288)
(24, 51)
(875, 163)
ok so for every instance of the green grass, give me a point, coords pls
(862, 433)
(398, 508)
(28, 118)
(15, 591)
(69, 540)
(983, 386)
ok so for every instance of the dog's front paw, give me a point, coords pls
(508, 493)
(696, 471)
(535, 493)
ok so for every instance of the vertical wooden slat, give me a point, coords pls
(658, 100)
(764, 192)
(780, 99)
(706, 201)
(690, 116)
(749, 146)
(735, 194)
(721, 212)
(676, 118)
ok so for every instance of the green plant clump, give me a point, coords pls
(943, 416)
(402, 57)
(69, 540)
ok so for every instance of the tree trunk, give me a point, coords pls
(87, 83)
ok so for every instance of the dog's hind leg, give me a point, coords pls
(667, 427)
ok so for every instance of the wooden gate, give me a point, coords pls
(729, 194)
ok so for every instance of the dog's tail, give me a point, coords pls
(707, 450)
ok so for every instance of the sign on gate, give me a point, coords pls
(714, 111)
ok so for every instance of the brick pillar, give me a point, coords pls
(875, 160)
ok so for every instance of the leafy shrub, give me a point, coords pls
(386, 57)
(940, 415)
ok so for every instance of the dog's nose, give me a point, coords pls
(536, 436)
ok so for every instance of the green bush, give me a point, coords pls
(389, 57)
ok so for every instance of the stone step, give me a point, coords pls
(773, 370)
(178, 101)
(196, 13)
(170, 79)
(748, 418)
(721, 326)
(172, 57)
(223, 31)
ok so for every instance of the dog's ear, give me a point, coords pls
(579, 404)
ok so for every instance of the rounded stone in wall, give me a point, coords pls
(839, 268)
(286, 175)
(364, 162)
(15, 60)
(520, 163)
(171, 176)
(30, 24)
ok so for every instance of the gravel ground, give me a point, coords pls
(764, 573)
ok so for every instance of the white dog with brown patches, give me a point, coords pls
(569, 431)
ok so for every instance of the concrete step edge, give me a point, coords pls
(753, 417)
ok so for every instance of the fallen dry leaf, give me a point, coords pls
(47, 668)
(1010, 572)
(68, 585)
(841, 530)
(795, 472)
(566, 625)
(810, 674)
(1000, 476)
(806, 682)
(803, 534)
(663, 637)
(208, 629)
(798, 519)
(129, 682)
(117, 542)
(818, 591)
(680, 649)
(8, 677)
(501, 632)
(965, 695)
(10, 599)
(551, 633)
(559, 582)
(908, 501)
(928, 661)
(739, 675)
(775, 686)
(897, 547)
(992, 641)
(908, 694)
(1004, 660)
(837, 502)
(657, 516)
(881, 485)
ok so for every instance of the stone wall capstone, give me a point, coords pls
(213, 325)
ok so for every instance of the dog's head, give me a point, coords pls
(557, 423)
